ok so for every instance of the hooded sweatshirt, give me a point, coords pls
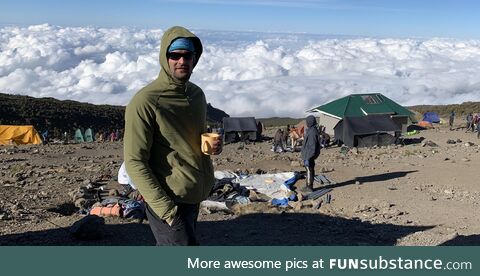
(311, 144)
(163, 125)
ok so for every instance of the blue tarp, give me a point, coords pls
(431, 117)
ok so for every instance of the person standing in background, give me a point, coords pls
(469, 121)
(451, 119)
(310, 152)
(278, 141)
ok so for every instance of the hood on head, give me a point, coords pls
(169, 36)
(311, 121)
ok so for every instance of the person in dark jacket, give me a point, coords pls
(278, 141)
(310, 151)
(286, 132)
(469, 121)
(451, 119)
(478, 131)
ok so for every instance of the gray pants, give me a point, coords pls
(310, 173)
(182, 231)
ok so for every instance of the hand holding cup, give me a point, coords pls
(211, 143)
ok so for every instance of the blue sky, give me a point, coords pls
(400, 18)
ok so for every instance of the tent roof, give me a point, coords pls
(239, 124)
(19, 135)
(357, 105)
(431, 117)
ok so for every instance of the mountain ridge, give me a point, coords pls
(59, 116)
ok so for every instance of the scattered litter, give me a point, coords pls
(96, 199)
(324, 180)
(107, 211)
(429, 143)
(317, 194)
(278, 188)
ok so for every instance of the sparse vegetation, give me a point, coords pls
(410, 152)
(14, 169)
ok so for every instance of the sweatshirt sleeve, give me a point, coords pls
(310, 146)
(138, 138)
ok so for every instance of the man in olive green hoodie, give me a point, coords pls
(163, 125)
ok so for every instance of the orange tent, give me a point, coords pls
(425, 124)
(19, 135)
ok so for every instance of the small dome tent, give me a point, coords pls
(19, 135)
(431, 117)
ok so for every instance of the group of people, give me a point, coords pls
(162, 146)
(109, 136)
(473, 123)
(86, 136)
(288, 138)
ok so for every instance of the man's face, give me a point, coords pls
(181, 64)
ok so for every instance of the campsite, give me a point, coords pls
(420, 193)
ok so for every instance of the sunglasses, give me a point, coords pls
(177, 56)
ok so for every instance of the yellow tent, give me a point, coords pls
(19, 135)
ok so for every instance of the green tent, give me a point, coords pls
(359, 105)
(88, 135)
(79, 136)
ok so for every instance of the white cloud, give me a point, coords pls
(245, 74)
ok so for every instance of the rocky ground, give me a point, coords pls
(417, 194)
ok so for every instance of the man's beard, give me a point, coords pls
(183, 76)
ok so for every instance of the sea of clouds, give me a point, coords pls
(243, 73)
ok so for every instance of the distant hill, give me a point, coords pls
(444, 110)
(214, 115)
(59, 116)
(279, 121)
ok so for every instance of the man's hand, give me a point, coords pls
(217, 145)
(169, 221)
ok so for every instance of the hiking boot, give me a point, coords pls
(306, 189)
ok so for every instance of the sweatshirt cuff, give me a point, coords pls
(170, 215)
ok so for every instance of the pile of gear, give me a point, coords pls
(96, 199)
(278, 189)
